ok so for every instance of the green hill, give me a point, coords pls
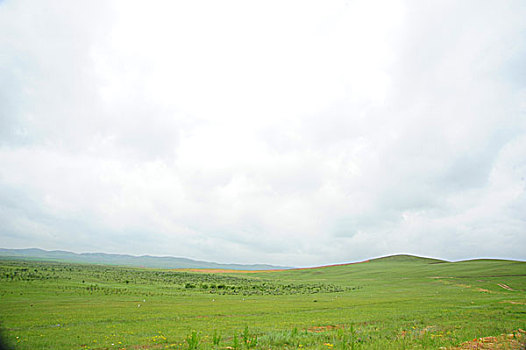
(407, 258)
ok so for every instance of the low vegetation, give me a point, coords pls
(400, 302)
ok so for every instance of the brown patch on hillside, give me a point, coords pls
(224, 271)
(505, 286)
(324, 266)
(319, 329)
(515, 341)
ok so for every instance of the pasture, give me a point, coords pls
(399, 302)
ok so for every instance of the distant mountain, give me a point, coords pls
(164, 262)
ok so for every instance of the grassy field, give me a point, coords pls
(399, 302)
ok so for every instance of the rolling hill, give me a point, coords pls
(164, 262)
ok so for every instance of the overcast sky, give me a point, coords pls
(284, 132)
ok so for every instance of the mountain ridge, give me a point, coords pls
(168, 262)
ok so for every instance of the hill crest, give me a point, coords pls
(408, 258)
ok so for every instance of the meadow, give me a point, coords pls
(399, 302)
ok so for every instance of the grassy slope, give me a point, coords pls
(397, 302)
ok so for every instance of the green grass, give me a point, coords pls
(398, 302)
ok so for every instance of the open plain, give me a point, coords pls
(398, 302)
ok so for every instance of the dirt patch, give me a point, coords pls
(322, 267)
(320, 329)
(502, 285)
(513, 302)
(515, 341)
(484, 290)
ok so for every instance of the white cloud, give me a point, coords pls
(291, 133)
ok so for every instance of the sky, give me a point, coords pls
(297, 133)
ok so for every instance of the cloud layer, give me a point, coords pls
(293, 133)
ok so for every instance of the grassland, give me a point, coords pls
(399, 302)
